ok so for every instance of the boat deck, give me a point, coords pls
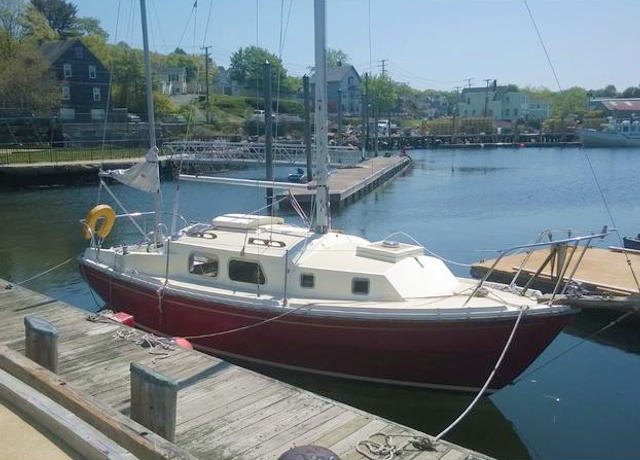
(223, 411)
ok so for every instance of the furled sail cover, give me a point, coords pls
(144, 176)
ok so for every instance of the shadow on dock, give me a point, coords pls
(485, 429)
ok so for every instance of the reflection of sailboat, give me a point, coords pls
(624, 336)
(309, 298)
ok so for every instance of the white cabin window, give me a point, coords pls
(96, 94)
(66, 69)
(360, 286)
(307, 280)
(92, 71)
(203, 265)
(246, 272)
(66, 93)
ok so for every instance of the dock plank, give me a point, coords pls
(603, 270)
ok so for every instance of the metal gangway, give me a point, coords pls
(195, 153)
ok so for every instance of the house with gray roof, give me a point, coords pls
(342, 82)
(84, 80)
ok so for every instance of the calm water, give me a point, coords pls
(584, 404)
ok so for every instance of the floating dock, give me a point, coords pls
(348, 184)
(222, 411)
(604, 271)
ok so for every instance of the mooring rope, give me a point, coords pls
(9, 286)
(488, 381)
(250, 326)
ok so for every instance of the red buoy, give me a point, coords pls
(183, 343)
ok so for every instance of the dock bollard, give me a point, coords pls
(153, 400)
(41, 342)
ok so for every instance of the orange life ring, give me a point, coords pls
(103, 211)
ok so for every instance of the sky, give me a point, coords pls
(426, 43)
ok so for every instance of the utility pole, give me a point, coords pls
(339, 133)
(206, 77)
(307, 127)
(455, 112)
(383, 66)
(267, 128)
(486, 96)
(469, 81)
(367, 105)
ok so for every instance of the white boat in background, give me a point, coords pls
(625, 133)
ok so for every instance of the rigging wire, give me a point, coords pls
(206, 27)
(108, 103)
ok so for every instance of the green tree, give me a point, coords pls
(607, 91)
(11, 13)
(89, 27)
(572, 101)
(60, 15)
(336, 57)
(26, 83)
(246, 68)
(36, 27)
(382, 93)
(632, 91)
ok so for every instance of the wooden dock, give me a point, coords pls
(223, 411)
(605, 271)
(348, 184)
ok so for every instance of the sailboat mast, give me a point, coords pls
(147, 75)
(320, 171)
(151, 121)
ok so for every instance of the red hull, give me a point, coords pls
(457, 354)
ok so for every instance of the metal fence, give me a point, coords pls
(82, 151)
(225, 152)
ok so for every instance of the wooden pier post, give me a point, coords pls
(153, 400)
(41, 342)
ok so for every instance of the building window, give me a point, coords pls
(66, 69)
(468, 100)
(79, 52)
(96, 94)
(97, 114)
(66, 93)
(203, 265)
(307, 280)
(92, 71)
(506, 112)
(360, 286)
(67, 114)
(473, 112)
(515, 112)
(507, 98)
(246, 272)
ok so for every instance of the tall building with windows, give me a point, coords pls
(84, 80)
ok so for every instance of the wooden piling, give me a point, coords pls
(41, 342)
(153, 400)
